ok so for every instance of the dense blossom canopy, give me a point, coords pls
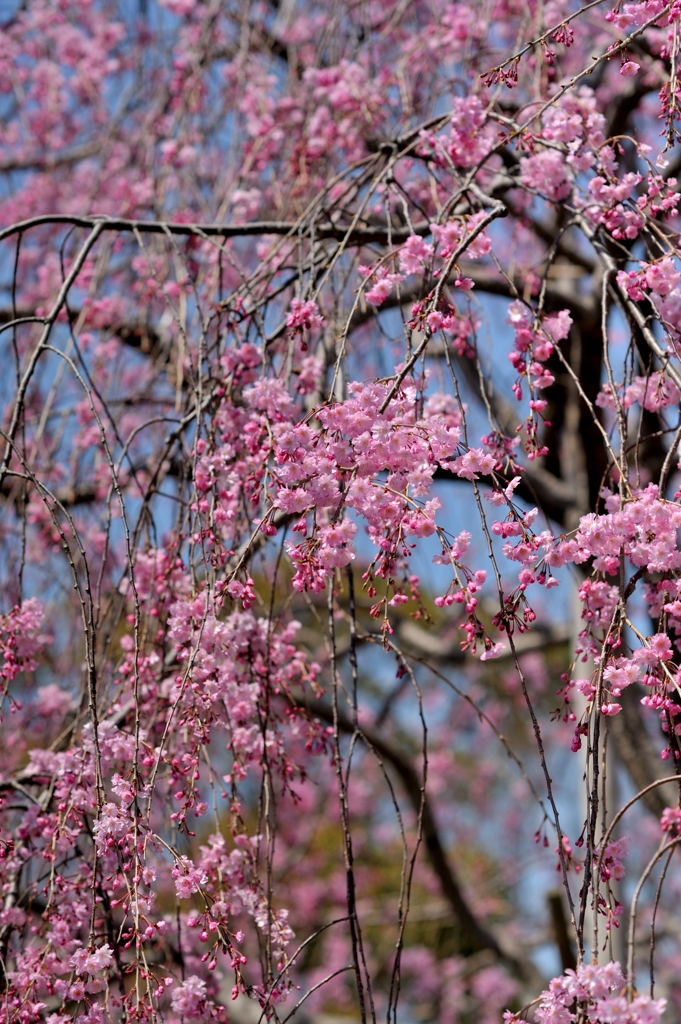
(341, 351)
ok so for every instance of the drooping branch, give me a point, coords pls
(474, 935)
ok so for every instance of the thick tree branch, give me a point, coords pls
(338, 232)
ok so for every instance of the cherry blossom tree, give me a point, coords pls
(341, 577)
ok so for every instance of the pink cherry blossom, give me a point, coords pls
(289, 289)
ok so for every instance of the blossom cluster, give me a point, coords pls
(597, 991)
